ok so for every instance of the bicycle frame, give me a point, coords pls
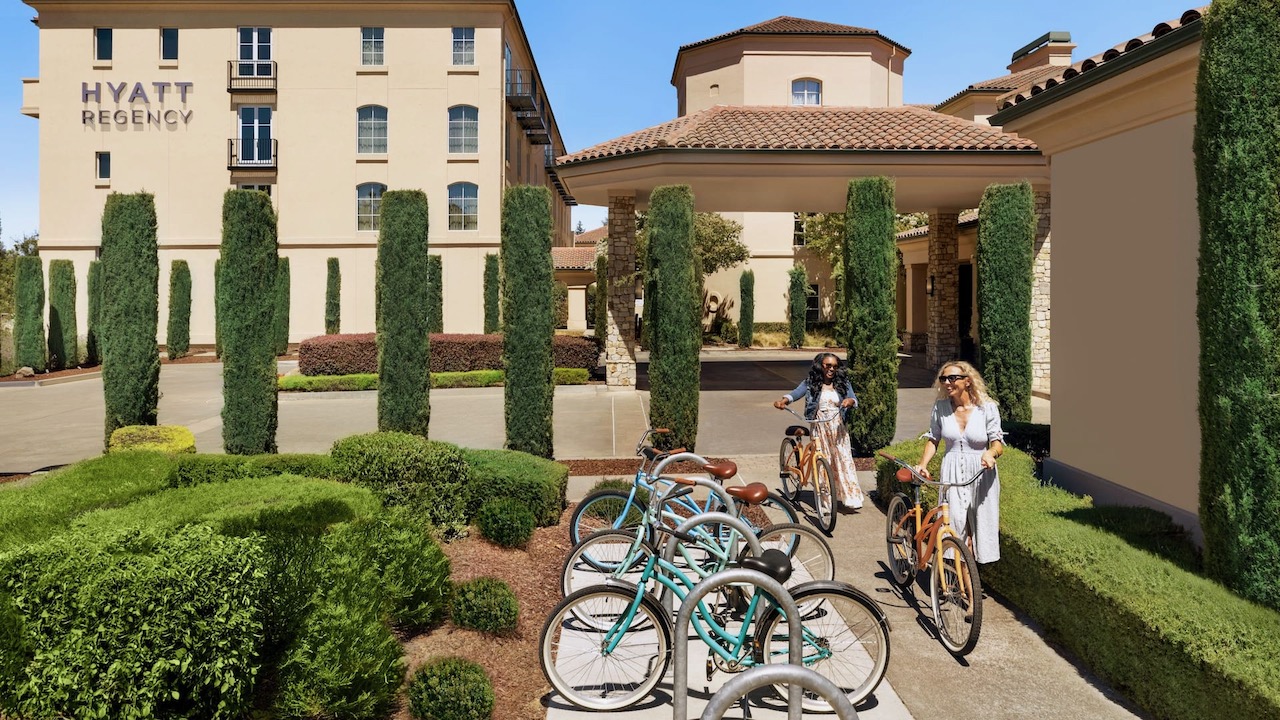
(809, 451)
(933, 527)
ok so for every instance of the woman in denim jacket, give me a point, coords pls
(827, 390)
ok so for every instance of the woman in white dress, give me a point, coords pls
(968, 420)
(827, 391)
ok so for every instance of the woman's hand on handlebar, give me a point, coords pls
(988, 460)
(922, 471)
(848, 403)
(781, 403)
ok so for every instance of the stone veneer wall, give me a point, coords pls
(944, 318)
(619, 345)
(1040, 298)
(913, 342)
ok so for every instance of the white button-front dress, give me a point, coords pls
(975, 509)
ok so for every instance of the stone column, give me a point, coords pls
(1040, 297)
(577, 307)
(944, 314)
(619, 345)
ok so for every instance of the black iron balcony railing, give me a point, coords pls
(251, 76)
(251, 154)
(522, 90)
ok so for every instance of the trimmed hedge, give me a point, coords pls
(190, 470)
(403, 314)
(538, 483)
(369, 381)
(247, 293)
(747, 310)
(491, 302)
(1179, 645)
(358, 353)
(450, 689)
(93, 340)
(505, 521)
(217, 313)
(560, 303)
(280, 309)
(152, 438)
(435, 294)
(333, 299)
(486, 604)
(429, 478)
(527, 319)
(1006, 243)
(177, 339)
(871, 267)
(676, 336)
(64, 341)
(797, 305)
(28, 323)
(130, 312)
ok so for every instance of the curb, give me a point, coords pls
(52, 381)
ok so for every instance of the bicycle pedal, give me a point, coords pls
(711, 669)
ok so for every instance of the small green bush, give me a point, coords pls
(413, 571)
(429, 478)
(189, 470)
(450, 689)
(538, 483)
(155, 438)
(333, 299)
(486, 604)
(506, 521)
(369, 381)
(328, 383)
(177, 339)
(797, 305)
(64, 348)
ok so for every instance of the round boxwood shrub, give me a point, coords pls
(429, 478)
(506, 521)
(486, 604)
(450, 689)
(158, 438)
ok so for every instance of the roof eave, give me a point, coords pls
(770, 151)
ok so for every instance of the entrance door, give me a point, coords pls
(255, 52)
(255, 135)
(967, 350)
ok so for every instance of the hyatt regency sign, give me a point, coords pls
(136, 93)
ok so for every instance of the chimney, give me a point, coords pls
(1052, 48)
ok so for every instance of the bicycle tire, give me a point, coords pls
(600, 510)
(900, 541)
(841, 623)
(810, 553)
(824, 498)
(789, 472)
(598, 557)
(955, 593)
(576, 666)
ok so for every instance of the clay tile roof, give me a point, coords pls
(735, 127)
(1068, 74)
(787, 25)
(967, 217)
(1005, 83)
(573, 258)
(590, 237)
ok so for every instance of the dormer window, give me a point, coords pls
(806, 91)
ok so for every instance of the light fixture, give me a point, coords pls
(929, 286)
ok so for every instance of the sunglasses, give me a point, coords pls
(951, 378)
(829, 366)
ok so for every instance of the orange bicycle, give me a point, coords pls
(801, 462)
(918, 541)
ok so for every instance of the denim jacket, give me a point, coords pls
(811, 405)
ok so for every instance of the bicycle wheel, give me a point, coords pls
(824, 499)
(900, 531)
(789, 468)
(600, 556)
(773, 510)
(810, 553)
(577, 663)
(604, 510)
(846, 640)
(956, 594)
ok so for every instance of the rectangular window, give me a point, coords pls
(371, 129)
(371, 47)
(464, 46)
(103, 162)
(261, 188)
(811, 308)
(797, 232)
(255, 136)
(255, 52)
(168, 43)
(464, 206)
(102, 44)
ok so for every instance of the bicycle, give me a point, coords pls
(801, 462)
(918, 541)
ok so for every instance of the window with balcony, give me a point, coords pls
(371, 45)
(464, 206)
(102, 166)
(168, 43)
(255, 52)
(255, 136)
(371, 130)
(464, 46)
(102, 44)
(368, 205)
(464, 129)
(806, 91)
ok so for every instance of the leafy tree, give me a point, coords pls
(28, 323)
(717, 242)
(491, 282)
(130, 312)
(403, 299)
(747, 311)
(280, 309)
(527, 317)
(797, 304)
(435, 294)
(178, 336)
(579, 229)
(1237, 159)
(333, 299)
(64, 337)
(1006, 242)
(8, 260)
(676, 316)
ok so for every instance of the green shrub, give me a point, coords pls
(747, 310)
(333, 299)
(153, 438)
(328, 383)
(28, 323)
(64, 347)
(136, 625)
(130, 312)
(560, 304)
(188, 470)
(1237, 160)
(246, 310)
(429, 478)
(93, 341)
(403, 314)
(602, 295)
(491, 303)
(506, 521)
(871, 259)
(280, 309)
(570, 376)
(1006, 241)
(527, 319)
(413, 571)
(676, 337)
(178, 334)
(303, 464)
(537, 483)
(435, 294)
(1030, 438)
(450, 689)
(369, 381)
(486, 604)
(797, 305)
(217, 312)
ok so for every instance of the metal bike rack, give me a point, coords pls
(678, 457)
(795, 676)
(669, 548)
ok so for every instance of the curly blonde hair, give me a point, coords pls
(977, 387)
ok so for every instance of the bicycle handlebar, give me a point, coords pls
(919, 479)
(822, 419)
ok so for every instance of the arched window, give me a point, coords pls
(464, 206)
(806, 91)
(371, 129)
(464, 129)
(368, 205)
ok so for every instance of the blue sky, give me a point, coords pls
(607, 64)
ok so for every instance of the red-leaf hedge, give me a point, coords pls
(450, 352)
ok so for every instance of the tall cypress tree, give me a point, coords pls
(280, 317)
(64, 347)
(333, 299)
(747, 309)
(217, 309)
(527, 274)
(178, 335)
(1237, 155)
(676, 316)
(435, 294)
(601, 318)
(93, 340)
(130, 311)
(28, 323)
(871, 273)
(404, 343)
(797, 304)
(1006, 251)
(246, 309)
(491, 283)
